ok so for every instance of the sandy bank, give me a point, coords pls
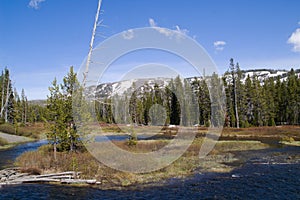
(13, 139)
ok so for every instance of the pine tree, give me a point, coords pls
(269, 91)
(54, 110)
(24, 107)
(292, 105)
(278, 101)
(17, 108)
(63, 134)
(249, 102)
(175, 108)
(70, 83)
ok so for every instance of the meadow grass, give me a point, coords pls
(216, 161)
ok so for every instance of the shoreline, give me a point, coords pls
(230, 153)
(13, 140)
(225, 162)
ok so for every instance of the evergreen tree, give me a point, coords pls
(175, 108)
(133, 104)
(24, 107)
(60, 114)
(292, 104)
(235, 88)
(54, 111)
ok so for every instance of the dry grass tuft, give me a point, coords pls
(3, 142)
(31, 171)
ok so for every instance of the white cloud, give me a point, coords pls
(35, 4)
(128, 35)
(152, 23)
(164, 31)
(182, 31)
(178, 32)
(294, 39)
(219, 45)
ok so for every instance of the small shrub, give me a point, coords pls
(7, 128)
(31, 171)
(207, 123)
(287, 139)
(132, 141)
(272, 122)
(246, 125)
(45, 148)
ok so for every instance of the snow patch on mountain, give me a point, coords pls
(107, 90)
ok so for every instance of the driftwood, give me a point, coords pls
(14, 176)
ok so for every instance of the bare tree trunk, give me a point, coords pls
(2, 98)
(6, 102)
(91, 44)
(236, 107)
(233, 72)
(25, 111)
(54, 150)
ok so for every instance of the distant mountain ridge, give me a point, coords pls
(110, 89)
(267, 73)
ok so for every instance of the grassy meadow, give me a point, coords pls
(230, 144)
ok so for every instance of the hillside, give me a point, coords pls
(107, 90)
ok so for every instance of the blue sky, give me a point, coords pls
(41, 39)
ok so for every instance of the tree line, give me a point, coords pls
(250, 101)
(14, 108)
(270, 102)
(149, 105)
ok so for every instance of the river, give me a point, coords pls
(261, 177)
(8, 156)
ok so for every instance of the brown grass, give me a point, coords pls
(31, 171)
(29, 130)
(142, 146)
(257, 133)
(3, 142)
(265, 131)
(216, 161)
(43, 160)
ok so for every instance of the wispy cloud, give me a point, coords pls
(178, 32)
(152, 23)
(182, 31)
(294, 40)
(128, 35)
(35, 4)
(219, 45)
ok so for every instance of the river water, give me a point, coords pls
(8, 156)
(263, 176)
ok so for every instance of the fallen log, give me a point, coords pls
(13, 176)
(72, 173)
(78, 181)
(35, 180)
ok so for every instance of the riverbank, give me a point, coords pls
(12, 140)
(229, 154)
(25, 133)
